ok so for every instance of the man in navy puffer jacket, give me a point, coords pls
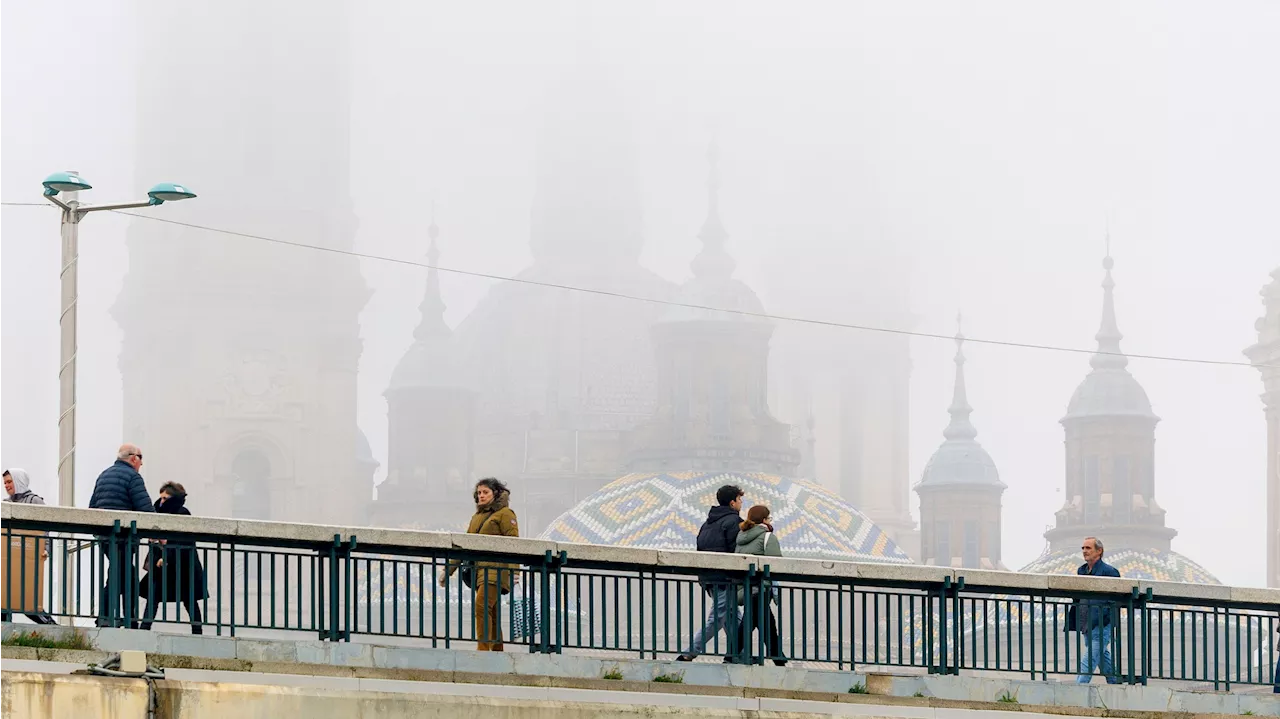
(120, 487)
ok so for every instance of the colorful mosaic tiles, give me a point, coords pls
(1150, 564)
(665, 510)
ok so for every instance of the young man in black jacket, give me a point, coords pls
(719, 534)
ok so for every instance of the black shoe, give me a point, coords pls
(779, 662)
(685, 658)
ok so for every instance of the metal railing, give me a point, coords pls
(127, 570)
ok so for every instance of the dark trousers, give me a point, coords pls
(767, 625)
(125, 594)
(191, 605)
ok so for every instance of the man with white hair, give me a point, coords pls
(120, 487)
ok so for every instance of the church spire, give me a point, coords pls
(432, 307)
(1108, 355)
(713, 262)
(960, 426)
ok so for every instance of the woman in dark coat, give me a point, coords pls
(174, 572)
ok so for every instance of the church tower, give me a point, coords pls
(960, 492)
(1266, 356)
(1110, 451)
(713, 410)
(431, 423)
(239, 356)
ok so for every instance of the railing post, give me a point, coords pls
(957, 627)
(113, 578)
(348, 580)
(1130, 643)
(327, 603)
(940, 666)
(765, 614)
(740, 645)
(544, 602)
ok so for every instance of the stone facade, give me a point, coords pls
(239, 357)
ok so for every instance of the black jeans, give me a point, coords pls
(767, 625)
(125, 595)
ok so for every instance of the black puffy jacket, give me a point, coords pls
(720, 532)
(121, 487)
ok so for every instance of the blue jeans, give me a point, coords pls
(723, 613)
(1095, 652)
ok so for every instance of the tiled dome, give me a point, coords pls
(1151, 564)
(665, 510)
(1109, 392)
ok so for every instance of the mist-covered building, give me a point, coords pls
(1110, 471)
(712, 426)
(1266, 356)
(960, 491)
(239, 357)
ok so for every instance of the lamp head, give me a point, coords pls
(169, 192)
(64, 182)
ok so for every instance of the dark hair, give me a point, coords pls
(726, 494)
(172, 488)
(756, 515)
(495, 486)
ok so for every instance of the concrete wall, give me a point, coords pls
(49, 696)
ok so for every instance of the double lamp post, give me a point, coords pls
(69, 185)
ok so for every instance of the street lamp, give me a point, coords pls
(72, 183)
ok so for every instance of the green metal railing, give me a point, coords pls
(335, 587)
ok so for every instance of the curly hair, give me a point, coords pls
(494, 485)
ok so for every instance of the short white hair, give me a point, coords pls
(1097, 543)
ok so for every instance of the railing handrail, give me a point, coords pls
(72, 519)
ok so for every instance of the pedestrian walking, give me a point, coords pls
(719, 534)
(1092, 618)
(120, 487)
(488, 580)
(174, 571)
(755, 536)
(17, 486)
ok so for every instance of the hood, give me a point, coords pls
(21, 482)
(747, 536)
(718, 513)
(172, 505)
(498, 504)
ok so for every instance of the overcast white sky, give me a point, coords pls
(987, 142)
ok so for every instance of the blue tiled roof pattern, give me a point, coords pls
(665, 510)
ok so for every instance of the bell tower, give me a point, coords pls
(239, 357)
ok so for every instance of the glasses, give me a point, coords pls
(135, 454)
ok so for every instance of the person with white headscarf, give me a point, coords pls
(17, 488)
(17, 484)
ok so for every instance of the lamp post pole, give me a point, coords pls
(69, 276)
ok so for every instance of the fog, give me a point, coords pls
(880, 164)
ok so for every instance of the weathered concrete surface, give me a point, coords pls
(424, 664)
(214, 694)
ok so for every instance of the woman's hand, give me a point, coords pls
(444, 576)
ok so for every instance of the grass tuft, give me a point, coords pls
(858, 688)
(615, 674)
(78, 640)
(670, 678)
(1007, 698)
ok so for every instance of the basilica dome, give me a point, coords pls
(664, 511)
(1150, 564)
